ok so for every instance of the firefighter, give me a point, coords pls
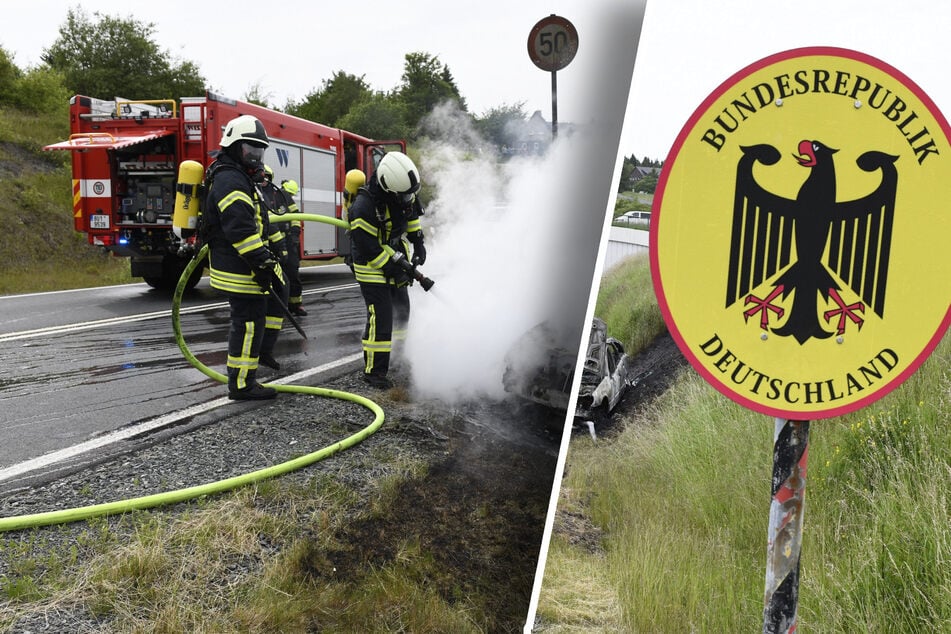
(242, 266)
(384, 220)
(280, 200)
(290, 189)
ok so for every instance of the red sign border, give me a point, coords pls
(551, 19)
(811, 51)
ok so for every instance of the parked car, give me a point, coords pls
(632, 217)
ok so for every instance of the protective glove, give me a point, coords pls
(419, 253)
(395, 273)
(263, 274)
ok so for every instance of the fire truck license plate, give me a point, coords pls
(98, 221)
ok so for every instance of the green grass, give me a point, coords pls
(626, 304)
(682, 496)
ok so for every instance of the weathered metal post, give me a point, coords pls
(552, 43)
(790, 455)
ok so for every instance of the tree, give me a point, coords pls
(426, 82)
(257, 95)
(627, 167)
(107, 56)
(378, 116)
(647, 184)
(9, 76)
(498, 125)
(333, 100)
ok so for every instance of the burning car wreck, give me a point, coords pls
(542, 372)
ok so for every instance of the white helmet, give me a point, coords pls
(244, 128)
(398, 175)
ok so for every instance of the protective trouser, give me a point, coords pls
(386, 304)
(292, 270)
(274, 319)
(248, 319)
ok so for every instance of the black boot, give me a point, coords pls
(378, 381)
(269, 361)
(297, 309)
(253, 391)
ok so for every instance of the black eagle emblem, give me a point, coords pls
(810, 244)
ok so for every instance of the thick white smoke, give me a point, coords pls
(515, 244)
(510, 245)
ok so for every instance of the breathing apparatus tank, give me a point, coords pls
(354, 180)
(187, 199)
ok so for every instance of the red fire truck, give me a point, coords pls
(125, 163)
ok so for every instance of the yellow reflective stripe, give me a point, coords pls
(245, 363)
(399, 335)
(368, 274)
(242, 362)
(273, 322)
(413, 225)
(233, 197)
(363, 225)
(371, 333)
(379, 260)
(248, 244)
(234, 282)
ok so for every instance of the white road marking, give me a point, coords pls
(61, 455)
(101, 323)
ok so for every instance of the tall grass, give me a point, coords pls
(627, 305)
(39, 249)
(683, 496)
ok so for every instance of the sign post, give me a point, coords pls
(552, 44)
(784, 535)
(799, 254)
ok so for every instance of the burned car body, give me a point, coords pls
(604, 376)
(540, 370)
(543, 372)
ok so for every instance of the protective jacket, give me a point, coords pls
(236, 228)
(276, 203)
(378, 227)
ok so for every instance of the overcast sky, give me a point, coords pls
(687, 47)
(290, 48)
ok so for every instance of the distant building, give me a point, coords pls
(533, 136)
(639, 172)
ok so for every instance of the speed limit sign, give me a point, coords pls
(552, 43)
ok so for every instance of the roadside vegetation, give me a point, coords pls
(39, 250)
(675, 507)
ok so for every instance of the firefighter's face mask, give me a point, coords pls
(252, 156)
(406, 200)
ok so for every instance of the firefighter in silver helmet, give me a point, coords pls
(384, 220)
(243, 264)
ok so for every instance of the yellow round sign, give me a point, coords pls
(801, 233)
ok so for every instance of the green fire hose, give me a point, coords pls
(171, 497)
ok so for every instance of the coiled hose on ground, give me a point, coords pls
(180, 495)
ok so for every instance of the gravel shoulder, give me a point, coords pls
(479, 508)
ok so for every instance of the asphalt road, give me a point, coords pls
(81, 366)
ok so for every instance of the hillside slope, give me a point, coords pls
(39, 250)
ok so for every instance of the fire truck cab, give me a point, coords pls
(125, 158)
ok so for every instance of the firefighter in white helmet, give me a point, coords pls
(384, 220)
(243, 264)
